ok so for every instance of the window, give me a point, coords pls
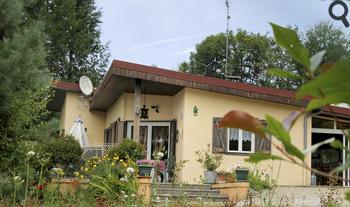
(240, 141)
(322, 123)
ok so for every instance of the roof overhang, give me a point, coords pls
(60, 88)
(122, 75)
(121, 78)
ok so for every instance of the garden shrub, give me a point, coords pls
(65, 152)
(128, 149)
(112, 181)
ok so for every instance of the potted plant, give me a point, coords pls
(230, 177)
(221, 177)
(210, 163)
(241, 173)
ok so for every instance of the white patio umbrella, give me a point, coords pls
(78, 132)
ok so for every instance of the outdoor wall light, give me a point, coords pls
(195, 110)
(144, 112)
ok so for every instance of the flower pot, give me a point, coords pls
(242, 175)
(145, 170)
(210, 177)
(221, 177)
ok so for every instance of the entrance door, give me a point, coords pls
(154, 136)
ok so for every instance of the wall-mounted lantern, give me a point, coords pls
(144, 112)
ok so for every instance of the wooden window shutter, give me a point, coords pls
(261, 144)
(219, 143)
(114, 132)
(172, 147)
(105, 138)
(120, 131)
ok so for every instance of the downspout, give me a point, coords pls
(305, 145)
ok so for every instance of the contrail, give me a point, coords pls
(160, 42)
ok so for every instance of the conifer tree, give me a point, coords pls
(24, 79)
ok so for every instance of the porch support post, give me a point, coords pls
(137, 107)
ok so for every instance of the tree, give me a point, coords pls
(324, 36)
(24, 79)
(250, 55)
(73, 46)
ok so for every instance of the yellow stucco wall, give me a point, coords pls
(194, 132)
(94, 121)
(123, 108)
(197, 132)
(117, 110)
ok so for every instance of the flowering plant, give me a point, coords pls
(209, 161)
(111, 178)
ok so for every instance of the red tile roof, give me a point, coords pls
(67, 86)
(202, 79)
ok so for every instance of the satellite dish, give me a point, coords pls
(85, 85)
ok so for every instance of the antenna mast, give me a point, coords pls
(227, 33)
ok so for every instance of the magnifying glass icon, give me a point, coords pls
(341, 17)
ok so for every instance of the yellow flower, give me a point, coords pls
(76, 173)
(113, 164)
(94, 166)
(86, 169)
(82, 176)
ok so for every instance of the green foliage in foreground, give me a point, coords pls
(326, 83)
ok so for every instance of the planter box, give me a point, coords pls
(145, 170)
(235, 191)
(242, 175)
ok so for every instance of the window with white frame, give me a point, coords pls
(240, 141)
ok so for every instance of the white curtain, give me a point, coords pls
(78, 132)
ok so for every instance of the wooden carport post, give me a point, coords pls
(137, 102)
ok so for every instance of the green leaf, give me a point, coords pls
(288, 39)
(316, 60)
(314, 147)
(332, 98)
(338, 145)
(342, 167)
(283, 74)
(331, 81)
(259, 156)
(276, 129)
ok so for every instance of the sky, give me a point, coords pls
(164, 32)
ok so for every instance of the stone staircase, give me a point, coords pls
(193, 193)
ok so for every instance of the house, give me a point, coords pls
(182, 115)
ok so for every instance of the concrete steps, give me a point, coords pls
(167, 192)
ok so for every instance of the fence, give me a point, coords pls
(88, 153)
